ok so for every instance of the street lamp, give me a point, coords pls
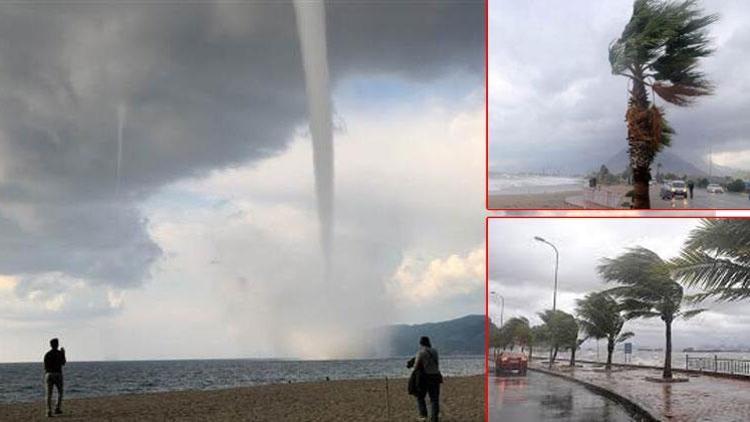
(554, 294)
(502, 309)
(557, 260)
(502, 305)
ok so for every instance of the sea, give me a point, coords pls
(648, 357)
(22, 382)
(517, 184)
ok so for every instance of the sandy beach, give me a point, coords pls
(552, 200)
(462, 399)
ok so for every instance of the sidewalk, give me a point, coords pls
(702, 398)
(580, 202)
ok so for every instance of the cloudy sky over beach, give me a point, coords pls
(522, 270)
(555, 106)
(201, 238)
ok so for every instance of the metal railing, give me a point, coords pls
(717, 364)
(603, 197)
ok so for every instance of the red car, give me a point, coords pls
(510, 362)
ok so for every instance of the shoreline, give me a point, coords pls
(462, 399)
(551, 200)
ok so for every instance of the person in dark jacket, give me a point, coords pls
(691, 186)
(426, 379)
(54, 360)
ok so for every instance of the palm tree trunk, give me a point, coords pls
(667, 373)
(639, 145)
(641, 178)
(554, 355)
(573, 356)
(610, 350)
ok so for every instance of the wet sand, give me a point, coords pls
(552, 200)
(462, 399)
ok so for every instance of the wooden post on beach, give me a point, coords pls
(387, 401)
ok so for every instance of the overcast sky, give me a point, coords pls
(554, 104)
(522, 270)
(207, 245)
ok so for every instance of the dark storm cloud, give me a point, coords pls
(204, 86)
(554, 103)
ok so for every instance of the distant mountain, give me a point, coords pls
(721, 171)
(670, 163)
(455, 337)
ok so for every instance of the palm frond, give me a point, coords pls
(723, 237)
(625, 336)
(691, 313)
(664, 42)
(680, 95)
(641, 314)
(632, 267)
(716, 258)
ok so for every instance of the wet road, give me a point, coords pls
(702, 200)
(539, 397)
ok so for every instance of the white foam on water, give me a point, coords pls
(503, 183)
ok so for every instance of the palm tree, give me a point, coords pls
(562, 332)
(716, 257)
(538, 336)
(496, 338)
(576, 344)
(514, 332)
(647, 290)
(599, 316)
(659, 48)
(519, 331)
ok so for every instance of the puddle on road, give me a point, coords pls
(539, 397)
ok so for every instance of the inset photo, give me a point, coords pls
(618, 319)
(625, 104)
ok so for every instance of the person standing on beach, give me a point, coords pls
(54, 360)
(426, 379)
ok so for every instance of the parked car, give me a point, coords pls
(511, 362)
(674, 188)
(714, 188)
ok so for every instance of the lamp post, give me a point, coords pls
(554, 294)
(502, 305)
(557, 260)
(502, 309)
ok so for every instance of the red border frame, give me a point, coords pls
(487, 203)
(487, 149)
(537, 217)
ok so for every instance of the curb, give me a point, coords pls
(640, 413)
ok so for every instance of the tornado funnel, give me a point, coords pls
(311, 27)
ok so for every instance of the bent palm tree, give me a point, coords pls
(599, 317)
(518, 331)
(659, 48)
(716, 257)
(538, 336)
(647, 291)
(562, 332)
